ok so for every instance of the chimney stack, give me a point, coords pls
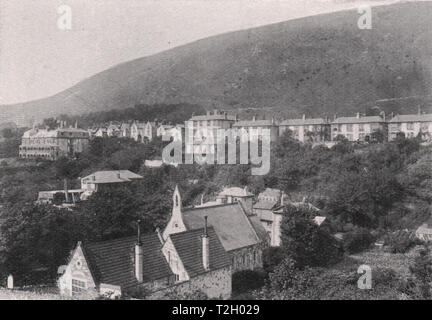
(282, 198)
(236, 117)
(304, 116)
(358, 115)
(139, 259)
(205, 247)
(254, 118)
(202, 199)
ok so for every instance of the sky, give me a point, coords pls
(39, 59)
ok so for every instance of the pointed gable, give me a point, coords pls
(112, 261)
(188, 245)
(176, 223)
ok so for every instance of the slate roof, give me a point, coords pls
(235, 192)
(265, 204)
(362, 119)
(188, 245)
(411, 118)
(230, 222)
(113, 261)
(213, 117)
(254, 123)
(302, 122)
(111, 176)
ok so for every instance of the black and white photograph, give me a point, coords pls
(215, 154)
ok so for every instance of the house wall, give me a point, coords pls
(77, 269)
(410, 129)
(355, 131)
(174, 260)
(247, 258)
(215, 284)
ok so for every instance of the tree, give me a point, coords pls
(305, 242)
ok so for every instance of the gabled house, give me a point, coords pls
(149, 266)
(100, 179)
(113, 130)
(125, 130)
(241, 234)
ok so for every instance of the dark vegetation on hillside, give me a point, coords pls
(364, 190)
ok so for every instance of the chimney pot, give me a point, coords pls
(139, 258)
(205, 247)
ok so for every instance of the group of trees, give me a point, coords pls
(363, 190)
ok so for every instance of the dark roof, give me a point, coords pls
(188, 245)
(362, 119)
(265, 204)
(230, 222)
(113, 261)
(302, 122)
(254, 123)
(411, 118)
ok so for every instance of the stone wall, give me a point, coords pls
(248, 258)
(214, 284)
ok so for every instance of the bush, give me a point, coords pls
(272, 256)
(245, 280)
(401, 241)
(358, 240)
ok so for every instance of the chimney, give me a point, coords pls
(254, 118)
(76, 124)
(304, 116)
(358, 115)
(236, 117)
(419, 110)
(215, 111)
(335, 116)
(205, 247)
(208, 113)
(139, 259)
(202, 199)
(282, 198)
(273, 120)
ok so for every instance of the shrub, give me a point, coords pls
(358, 240)
(245, 280)
(401, 241)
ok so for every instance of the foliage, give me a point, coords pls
(246, 280)
(305, 242)
(357, 240)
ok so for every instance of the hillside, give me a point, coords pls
(316, 65)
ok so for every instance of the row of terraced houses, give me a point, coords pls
(68, 141)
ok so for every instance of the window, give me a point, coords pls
(77, 286)
(361, 127)
(349, 127)
(410, 126)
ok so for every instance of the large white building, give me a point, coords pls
(357, 128)
(53, 144)
(411, 125)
